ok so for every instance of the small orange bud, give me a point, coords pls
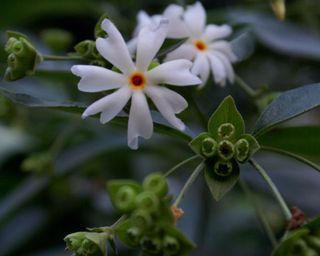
(177, 213)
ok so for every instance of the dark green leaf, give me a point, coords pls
(288, 105)
(227, 112)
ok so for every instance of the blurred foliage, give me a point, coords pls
(38, 210)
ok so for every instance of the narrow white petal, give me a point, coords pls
(162, 103)
(224, 47)
(150, 39)
(109, 105)
(227, 66)
(185, 51)
(97, 79)
(177, 26)
(175, 72)
(175, 100)
(214, 32)
(195, 17)
(218, 69)
(201, 67)
(140, 121)
(114, 49)
(144, 19)
(132, 46)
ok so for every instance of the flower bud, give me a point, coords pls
(87, 49)
(242, 148)
(134, 236)
(208, 147)
(87, 243)
(223, 168)
(279, 8)
(125, 199)
(171, 245)
(226, 130)
(225, 150)
(156, 183)
(142, 219)
(148, 201)
(151, 245)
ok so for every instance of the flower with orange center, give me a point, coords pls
(135, 81)
(200, 45)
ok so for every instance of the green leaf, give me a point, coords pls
(218, 185)
(169, 45)
(288, 105)
(196, 143)
(227, 112)
(98, 31)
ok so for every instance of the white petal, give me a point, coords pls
(144, 19)
(140, 121)
(214, 32)
(201, 67)
(109, 105)
(97, 79)
(114, 49)
(175, 72)
(185, 51)
(150, 39)
(227, 66)
(218, 70)
(224, 47)
(195, 17)
(175, 100)
(162, 103)
(177, 26)
(132, 46)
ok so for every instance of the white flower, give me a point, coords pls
(205, 45)
(135, 81)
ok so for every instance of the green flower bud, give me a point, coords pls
(18, 48)
(87, 49)
(225, 150)
(125, 199)
(223, 168)
(87, 243)
(148, 201)
(134, 236)
(151, 245)
(13, 61)
(171, 245)
(157, 184)
(142, 219)
(242, 148)
(58, 40)
(208, 147)
(226, 130)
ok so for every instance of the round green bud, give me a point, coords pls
(13, 61)
(86, 49)
(89, 247)
(226, 130)
(242, 148)
(225, 150)
(9, 44)
(151, 245)
(208, 147)
(223, 168)
(18, 48)
(171, 245)
(148, 201)
(157, 184)
(142, 219)
(125, 199)
(134, 236)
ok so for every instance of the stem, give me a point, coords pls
(189, 182)
(259, 212)
(272, 186)
(61, 58)
(122, 218)
(244, 86)
(174, 168)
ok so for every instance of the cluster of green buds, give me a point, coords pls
(22, 56)
(223, 147)
(87, 48)
(150, 223)
(304, 241)
(87, 243)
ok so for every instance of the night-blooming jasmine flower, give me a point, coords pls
(205, 45)
(135, 81)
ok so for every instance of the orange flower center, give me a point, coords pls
(200, 45)
(137, 81)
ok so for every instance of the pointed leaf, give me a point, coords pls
(288, 105)
(227, 112)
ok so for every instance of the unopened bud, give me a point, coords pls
(208, 147)
(157, 184)
(225, 150)
(279, 8)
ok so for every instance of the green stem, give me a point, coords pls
(244, 86)
(259, 212)
(287, 153)
(189, 182)
(272, 186)
(61, 58)
(174, 168)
